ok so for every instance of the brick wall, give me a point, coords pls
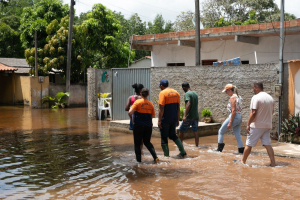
(209, 81)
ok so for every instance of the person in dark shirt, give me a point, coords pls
(143, 111)
(169, 111)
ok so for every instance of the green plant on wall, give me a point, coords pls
(182, 108)
(291, 128)
(57, 99)
(206, 113)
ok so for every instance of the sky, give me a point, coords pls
(147, 10)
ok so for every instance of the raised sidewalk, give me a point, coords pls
(204, 129)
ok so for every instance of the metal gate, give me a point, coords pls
(122, 81)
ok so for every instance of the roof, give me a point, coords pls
(7, 68)
(146, 57)
(19, 63)
(219, 33)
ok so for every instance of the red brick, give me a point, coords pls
(181, 33)
(193, 32)
(215, 30)
(293, 23)
(228, 29)
(136, 38)
(270, 25)
(276, 24)
(166, 35)
(287, 24)
(160, 35)
(242, 28)
(222, 29)
(203, 31)
(298, 22)
(148, 37)
(186, 33)
(263, 26)
(248, 27)
(235, 28)
(142, 37)
(255, 26)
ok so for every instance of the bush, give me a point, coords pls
(58, 99)
(206, 113)
(291, 128)
(181, 113)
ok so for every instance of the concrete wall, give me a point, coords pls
(297, 92)
(209, 81)
(77, 93)
(23, 94)
(267, 51)
(104, 87)
(6, 89)
(145, 63)
(38, 91)
(294, 89)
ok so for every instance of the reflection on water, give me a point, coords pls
(48, 154)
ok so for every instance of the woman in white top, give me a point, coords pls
(234, 120)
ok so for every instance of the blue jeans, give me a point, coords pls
(236, 127)
(131, 125)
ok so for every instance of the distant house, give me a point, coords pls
(253, 44)
(19, 63)
(144, 62)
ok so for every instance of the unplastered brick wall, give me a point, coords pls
(209, 81)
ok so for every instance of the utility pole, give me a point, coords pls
(281, 64)
(197, 32)
(130, 51)
(68, 72)
(35, 54)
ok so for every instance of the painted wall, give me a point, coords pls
(267, 51)
(77, 93)
(209, 81)
(38, 91)
(6, 88)
(294, 87)
(104, 87)
(297, 92)
(145, 63)
(23, 95)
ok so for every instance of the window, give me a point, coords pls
(245, 62)
(175, 64)
(209, 62)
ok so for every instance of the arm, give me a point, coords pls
(251, 119)
(178, 114)
(161, 110)
(187, 109)
(130, 113)
(233, 111)
(127, 104)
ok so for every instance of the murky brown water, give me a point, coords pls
(48, 154)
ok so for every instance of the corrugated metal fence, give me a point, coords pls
(123, 79)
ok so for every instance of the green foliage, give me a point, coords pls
(103, 95)
(57, 100)
(206, 113)
(10, 45)
(182, 108)
(184, 21)
(291, 128)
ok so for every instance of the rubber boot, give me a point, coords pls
(241, 150)
(180, 147)
(165, 148)
(220, 147)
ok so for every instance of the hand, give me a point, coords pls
(248, 129)
(184, 118)
(229, 126)
(177, 123)
(159, 124)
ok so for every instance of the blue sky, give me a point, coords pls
(147, 9)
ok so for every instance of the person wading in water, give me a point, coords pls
(130, 101)
(143, 111)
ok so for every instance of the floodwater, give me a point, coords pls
(60, 154)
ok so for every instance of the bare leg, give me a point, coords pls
(271, 154)
(247, 152)
(196, 138)
(181, 135)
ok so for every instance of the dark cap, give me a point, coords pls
(186, 85)
(164, 82)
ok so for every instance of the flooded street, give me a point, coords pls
(60, 154)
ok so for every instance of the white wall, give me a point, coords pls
(145, 63)
(267, 51)
(297, 92)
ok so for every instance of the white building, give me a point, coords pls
(254, 44)
(144, 62)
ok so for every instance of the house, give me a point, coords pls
(253, 44)
(19, 63)
(144, 62)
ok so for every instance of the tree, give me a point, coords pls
(159, 25)
(37, 18)
(237, 11)
(184, 21)
(10, 45)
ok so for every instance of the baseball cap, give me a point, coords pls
(164, 82)
(227, 87)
